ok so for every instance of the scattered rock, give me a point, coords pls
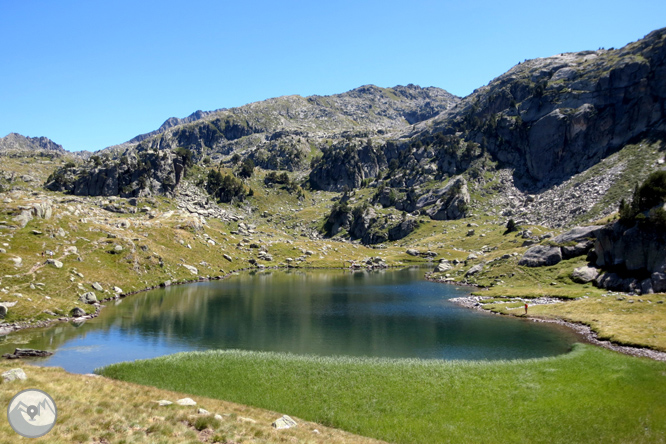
(56, 263)
(97, 286)
(17, 261)
(227, 257)
(164, 402)
(203, 412)
(243, 419)
(14, 375)
(88, 298)
(118, 290)
(412, 252)
(284, 423)
(77, 312)
(191, 269)
(186, 401)
(585, 274)
(474, 270)
(27, 353)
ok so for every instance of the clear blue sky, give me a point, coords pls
(89, 74)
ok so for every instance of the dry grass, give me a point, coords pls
(634, 320)
(97, 409)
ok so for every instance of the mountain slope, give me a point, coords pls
(554, 141)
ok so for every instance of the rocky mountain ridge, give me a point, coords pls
(273, 126)
(15, 143)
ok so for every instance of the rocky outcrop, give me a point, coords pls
(633, 249)
(345, 165)
(541, 256)
(551, 118)
(403, 229)
(42, 210)
(364, 227)
(14, 143)
(574, 243)
(453, 202)
(135, 174)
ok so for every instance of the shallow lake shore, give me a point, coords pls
(474, 302)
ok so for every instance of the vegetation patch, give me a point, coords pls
(600, 395)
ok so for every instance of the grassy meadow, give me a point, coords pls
(590, 395)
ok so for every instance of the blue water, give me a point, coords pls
(391, 313)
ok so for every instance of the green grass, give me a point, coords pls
(589, 395)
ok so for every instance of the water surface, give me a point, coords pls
(391, 313)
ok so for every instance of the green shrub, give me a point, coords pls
(653, 191)
(247, 168)
(206, 422)
(186, 155)
(225, 187)
(646, 198)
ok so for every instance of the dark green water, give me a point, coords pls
(382, 313)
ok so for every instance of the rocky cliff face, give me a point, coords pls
(554, 117)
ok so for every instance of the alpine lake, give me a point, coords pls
(391, 313)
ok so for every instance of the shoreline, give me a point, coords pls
(584, 330)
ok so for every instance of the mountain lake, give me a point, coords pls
(388, 313)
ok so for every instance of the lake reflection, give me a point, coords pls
(392, 313)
